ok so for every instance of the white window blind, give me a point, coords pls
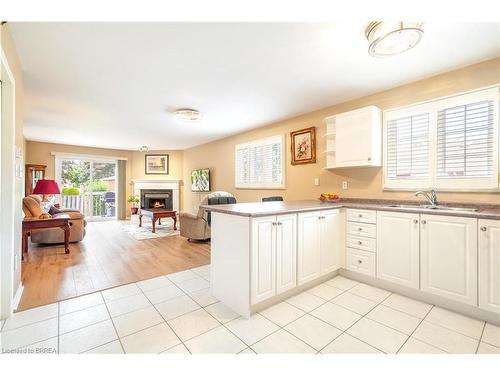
(465, 140)
(259, 164)
(449, 143)
(408, 147)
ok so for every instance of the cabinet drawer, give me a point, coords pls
(361, 261)
(362, 243)
(361, 229)
(362, 216)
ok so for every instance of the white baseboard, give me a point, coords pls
(17, 297)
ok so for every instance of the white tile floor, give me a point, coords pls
(177, 314)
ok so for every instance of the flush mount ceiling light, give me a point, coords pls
(143, 148)
(392, 38)
(187, 114)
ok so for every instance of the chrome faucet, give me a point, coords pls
(430, 196)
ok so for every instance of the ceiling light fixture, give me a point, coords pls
(143, 148)
(187, 114)
(391, 38)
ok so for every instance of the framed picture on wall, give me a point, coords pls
(303, 146)
(200, 180)
(156, 164)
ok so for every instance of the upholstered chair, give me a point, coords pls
(197, 227)
(31, 208)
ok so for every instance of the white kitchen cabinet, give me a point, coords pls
(308, 247)
(273, 256)
(398, 248)
(489, 265)
(263, 258)
(331, 240)
(449, 257)
(358, 138)
(286, 253)
(320, 243)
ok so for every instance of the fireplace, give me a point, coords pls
(156, 198)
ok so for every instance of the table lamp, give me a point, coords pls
(46, 188)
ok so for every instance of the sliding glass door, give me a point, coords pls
(88, 185)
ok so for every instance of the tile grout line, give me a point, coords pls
(306, 313)
(114, 327)
(166, 322)
(481, 337)
(362, 316)
(58, 326)
(418, 325)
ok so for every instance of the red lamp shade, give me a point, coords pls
(46, 187)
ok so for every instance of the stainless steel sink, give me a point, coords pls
(430, 207)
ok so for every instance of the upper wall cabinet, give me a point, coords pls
(354, 139)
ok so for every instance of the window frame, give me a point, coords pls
(261, 142)
(432, 107)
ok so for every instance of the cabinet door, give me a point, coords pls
(263, 258)
(286, 253)
(449, 257)
(331, 240)
(489, 265)
(308, 250)
(398, 246)
(357, 133)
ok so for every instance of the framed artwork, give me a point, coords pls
(200, 180)
(303, 144)
(156, 164)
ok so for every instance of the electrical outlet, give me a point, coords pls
(316, 181)
(344, 185)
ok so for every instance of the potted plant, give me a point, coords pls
(134, 200)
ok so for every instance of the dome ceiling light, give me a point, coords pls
(187, 114)
(143, 148)
(392, 38)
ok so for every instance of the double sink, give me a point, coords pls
(433, 208)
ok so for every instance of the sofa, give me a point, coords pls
(197, 227)
(31, 208)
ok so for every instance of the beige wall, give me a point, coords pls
(363, 182)
(10, 51)
(40, 153)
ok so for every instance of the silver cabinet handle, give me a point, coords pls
(360, 261)
(415, 221)
(360, 229)
(424, 222)
(280, 223)
(274, 223)
(369, 158)
(360, 243)
(484, 229)
(360, 215)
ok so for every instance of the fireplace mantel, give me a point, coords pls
(140, 184)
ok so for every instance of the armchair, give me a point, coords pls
(197, 227)
(31, 208)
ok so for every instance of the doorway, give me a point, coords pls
(89, 185)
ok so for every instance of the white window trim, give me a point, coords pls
(432, 107)
(280, 186)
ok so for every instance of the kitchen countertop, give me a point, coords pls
(257, 209)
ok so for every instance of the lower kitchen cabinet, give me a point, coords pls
(320, 243)
(398, 248)
(489, 265)
(449, 257)
(273, 256)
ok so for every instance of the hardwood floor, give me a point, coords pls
(107, 257)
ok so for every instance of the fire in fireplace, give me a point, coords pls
(156, 198)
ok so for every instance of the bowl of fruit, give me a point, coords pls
(329, 198)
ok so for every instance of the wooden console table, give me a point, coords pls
(157, 214)
(61, 221)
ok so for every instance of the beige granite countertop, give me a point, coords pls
(258, 209)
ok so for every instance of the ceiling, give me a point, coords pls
(115, 85)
